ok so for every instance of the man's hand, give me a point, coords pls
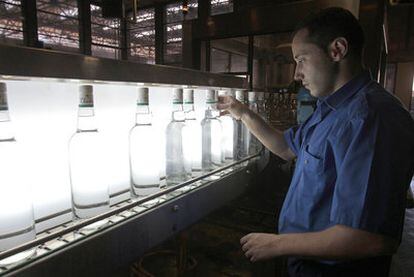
(260, 246)
(229, 105)
(338, 242)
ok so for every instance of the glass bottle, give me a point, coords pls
(17, 223)
(229, 126)
(261, 105)
(242, 131)
(178, 162)
(144, 157)
(252, 143)
(194, 130)
(268, 105)
(212, 154)
(90, 192)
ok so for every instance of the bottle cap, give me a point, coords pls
(188, 96)
(86, 96)
(142, 96)
(3, 97)
(252, 96)
(211, 96)
(177, 96)
(231, 92)
(222, 92)
(240, 95)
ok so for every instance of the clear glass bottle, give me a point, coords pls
(194, 131)
(268, 105)
(90, 192)
(242, 131)
(178, 161)
(212, 154)
(229, 125)
(144, 158)
(252, 143)
(17, 223)
(261, 105)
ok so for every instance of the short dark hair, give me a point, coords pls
(330, 23)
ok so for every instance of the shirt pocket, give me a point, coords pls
(312, 163)
(311, 185)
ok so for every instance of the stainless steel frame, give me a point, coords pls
(132, 229)
(103, 252)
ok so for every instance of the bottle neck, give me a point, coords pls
(253, 106)
(188, 107)
(86, 119)
(211, 111)
(6, 131)
(143, 115)
(189, 111)
(178, 112)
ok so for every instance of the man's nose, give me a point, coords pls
(298, 76)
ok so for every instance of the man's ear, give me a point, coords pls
(338, 49)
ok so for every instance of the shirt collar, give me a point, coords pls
(334, 100)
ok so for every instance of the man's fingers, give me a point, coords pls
(248, 254)
(247, 245)
(244, 239)
(223, 106)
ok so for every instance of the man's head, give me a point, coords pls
(321, 44)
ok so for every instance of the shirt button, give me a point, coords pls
(306, 161)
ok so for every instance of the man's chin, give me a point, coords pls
(313, 93)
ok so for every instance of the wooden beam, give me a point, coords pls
(401, 56)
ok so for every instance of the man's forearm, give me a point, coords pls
(336, 243)
(271, 138)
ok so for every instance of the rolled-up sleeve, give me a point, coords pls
(369, 192)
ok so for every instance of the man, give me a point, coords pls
(344, 210)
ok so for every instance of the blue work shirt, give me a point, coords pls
(355, 160)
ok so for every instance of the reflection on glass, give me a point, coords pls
(212, 153)
(144, 157)
(242, 131)
(194, 131)
(90, 192)
(178, 162)
(252, 143)
(229, 126)
(16, 210)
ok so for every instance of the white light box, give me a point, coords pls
(44, 117)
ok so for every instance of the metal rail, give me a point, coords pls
(115, 211)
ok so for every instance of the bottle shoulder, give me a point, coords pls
(140, 128)
(175, 124)
(79, 135)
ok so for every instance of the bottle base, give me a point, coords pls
(87, 211)
(138, 191)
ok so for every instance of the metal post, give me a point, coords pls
(250, 57)
(85, 32)
(159, 34)
(29, 12)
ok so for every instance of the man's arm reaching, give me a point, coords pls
(271, 138)
(335, 243)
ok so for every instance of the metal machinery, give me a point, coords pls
(134, 225)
